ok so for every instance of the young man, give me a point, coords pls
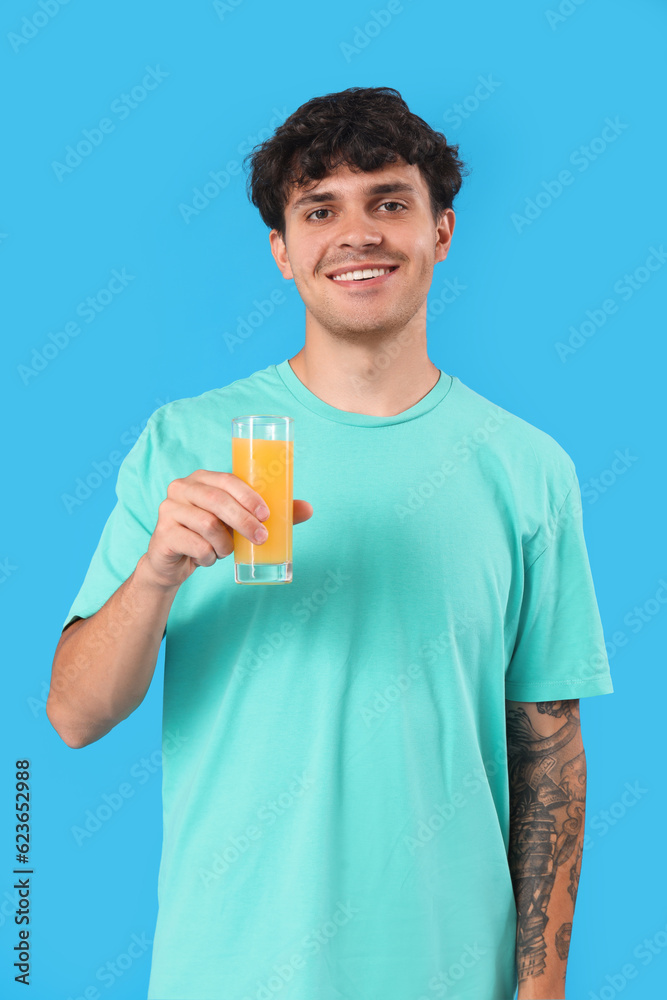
(379, 787)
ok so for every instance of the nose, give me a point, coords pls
(357, 229)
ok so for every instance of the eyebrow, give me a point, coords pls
(391, 187)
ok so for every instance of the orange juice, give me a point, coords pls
(266, 466)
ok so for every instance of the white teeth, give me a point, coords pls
(374, 272)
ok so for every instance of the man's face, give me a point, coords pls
(350, 221)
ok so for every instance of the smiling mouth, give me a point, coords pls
(363, 281)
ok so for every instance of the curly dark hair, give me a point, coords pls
(363, 127)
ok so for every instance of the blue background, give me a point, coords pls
(228, 78)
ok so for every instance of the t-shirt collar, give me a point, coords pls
(317, 405)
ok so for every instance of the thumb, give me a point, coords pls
(302, 511)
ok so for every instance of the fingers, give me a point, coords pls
(201, 511)
(219, 495)
(184, 542)
(216, 537)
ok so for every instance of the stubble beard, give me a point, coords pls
(363, 327)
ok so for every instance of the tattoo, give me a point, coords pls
(547, 779)
(563, 940)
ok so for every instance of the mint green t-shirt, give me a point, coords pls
(336, 807)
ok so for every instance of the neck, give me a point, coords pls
(381, 379)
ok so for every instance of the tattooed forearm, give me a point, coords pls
(547, 776)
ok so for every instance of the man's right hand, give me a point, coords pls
(196, 520)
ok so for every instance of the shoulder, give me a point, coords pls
(194, 432)
(531, 456)
(191, 414)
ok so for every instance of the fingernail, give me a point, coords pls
(262, 512)
(261, 535)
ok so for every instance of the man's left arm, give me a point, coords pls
(547, 782)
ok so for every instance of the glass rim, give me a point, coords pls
(268, 417)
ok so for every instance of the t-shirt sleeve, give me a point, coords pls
(559, 652)
(126, 534)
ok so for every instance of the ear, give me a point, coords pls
(444, 232)
(279, 251)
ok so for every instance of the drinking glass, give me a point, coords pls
(262, 456)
